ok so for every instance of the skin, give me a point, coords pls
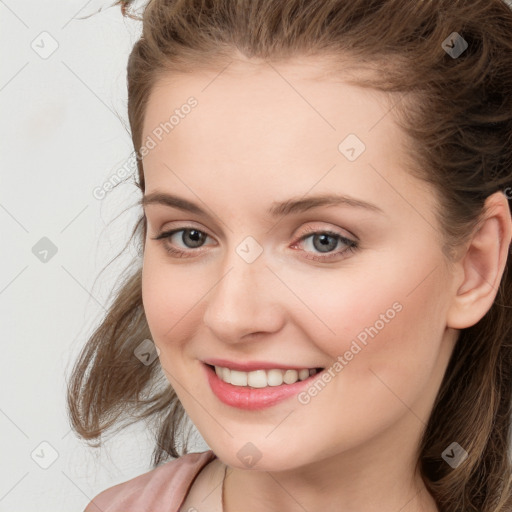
(254, 138)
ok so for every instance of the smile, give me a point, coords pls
(273, 385)
(263, 378)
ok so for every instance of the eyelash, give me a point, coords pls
(351, 245)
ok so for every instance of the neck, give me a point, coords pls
(271, 492)
(382, 476)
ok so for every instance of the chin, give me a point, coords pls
(249, 457)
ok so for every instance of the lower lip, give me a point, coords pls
(253, 399)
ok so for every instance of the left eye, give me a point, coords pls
(323, 240)
(320, 242)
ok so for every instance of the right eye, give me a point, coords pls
(190, 235)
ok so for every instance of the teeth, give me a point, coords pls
(237, 378)
(274, 377)
(290, 376)
(256, 379)
(262, 378)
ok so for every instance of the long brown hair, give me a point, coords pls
(457, 112)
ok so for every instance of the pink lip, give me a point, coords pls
(253, 399)
(249, 366)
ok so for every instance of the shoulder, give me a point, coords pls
(164, 487)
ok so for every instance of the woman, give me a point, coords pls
(325, 286)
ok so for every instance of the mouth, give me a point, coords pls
(260, 388)
(263, 378)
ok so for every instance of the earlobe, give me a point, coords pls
(482, 265)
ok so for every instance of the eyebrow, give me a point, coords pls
(277, 209)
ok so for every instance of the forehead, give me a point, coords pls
(277, 127)
(266, 111)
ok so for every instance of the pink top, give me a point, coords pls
(162, 489)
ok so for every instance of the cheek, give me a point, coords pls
(387, 325)
(168, 296)
(389, 364)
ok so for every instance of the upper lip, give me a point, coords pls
(248, 366)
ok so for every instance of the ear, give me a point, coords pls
(482, 266)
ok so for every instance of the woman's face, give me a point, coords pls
(266, 275)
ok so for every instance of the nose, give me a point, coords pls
(244, 302)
